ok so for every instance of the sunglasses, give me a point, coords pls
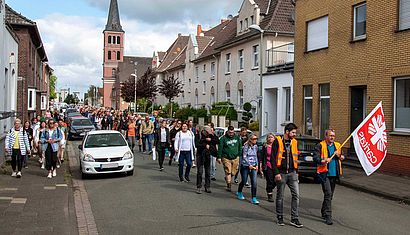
(254, 138)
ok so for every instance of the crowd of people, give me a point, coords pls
(191, 146)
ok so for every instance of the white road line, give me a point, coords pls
(19, 200)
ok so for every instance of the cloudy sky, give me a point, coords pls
(71, 30)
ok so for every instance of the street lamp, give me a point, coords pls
(261, 31)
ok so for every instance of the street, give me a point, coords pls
(154, 202)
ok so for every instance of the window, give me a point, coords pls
(246, 23)
(241, 27)
(113, 39)
(307, 110)
(252, 20)
(404, 14)
(189, 84)
(240, 60)
(212, 95)
(177, 75)
(183, 75)
(402, 104)
(43, 102)
(287, 99)
(359, 22)
(196, 98)
(324, 108)
(228, 63)
(317, 34)
(197, 73)
(109, 55)
(31, 99)
(255, 50)
(204, 68)
(291, 53)
(118, 55)
(212, 70)
(109, 39)
(228, 92)
(204, 87)
(118, 40)
(240, 94)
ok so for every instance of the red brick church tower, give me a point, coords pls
(113, 51)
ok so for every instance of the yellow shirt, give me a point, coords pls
(16, 143)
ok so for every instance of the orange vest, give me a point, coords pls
(281, 150)
(325, 154)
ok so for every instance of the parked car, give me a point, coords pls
(220, 131)
(306, 146)
(78, 127)
(105, 151)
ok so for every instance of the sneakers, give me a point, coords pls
(213, 179)
(25, 167)
(255, 201)
(14, 174)
(280, 221)
(236, 181)
(240, 196)
(18, 174)
(198, 191)
(181, 179)
(161, 168)
(187, 179)
(328, 221)
(207, 190)
(296, 223)
(58, 166)
(193, 165)
(247, 185)
(42, 166)
(270, 198)
(54, 173)
(49, 175)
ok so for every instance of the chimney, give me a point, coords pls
(199, 30)
(179, 34)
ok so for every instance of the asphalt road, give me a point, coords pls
(154, 202)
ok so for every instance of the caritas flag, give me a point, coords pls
(370, 140)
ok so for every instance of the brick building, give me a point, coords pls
(33, 73)
(349, 56)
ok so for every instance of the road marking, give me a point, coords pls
(19, 200)
(6, 198)
(49, 187)
(61, 185)
(8, 189)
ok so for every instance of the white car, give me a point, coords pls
(104, 152)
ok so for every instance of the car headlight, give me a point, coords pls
(88, 158)
(127, 155)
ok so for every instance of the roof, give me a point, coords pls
(97, 132)
(179, 61)
(16, 20)
(263, 5)
(127, 67)
(173, 52)
(161, 55)
(203, 42)
(221, 33)
(113, 21)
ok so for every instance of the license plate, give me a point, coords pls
(309, 159)
(109, 165)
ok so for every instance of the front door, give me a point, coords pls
(357, 113)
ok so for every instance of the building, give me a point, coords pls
(31, 58)
(350, 55)
(62, 94)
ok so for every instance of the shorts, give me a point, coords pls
(230, 166)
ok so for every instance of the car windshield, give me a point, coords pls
(81, 122)
(105, 140)
(307, 144)
(74, 114)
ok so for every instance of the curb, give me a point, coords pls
(374, 192)
(85, 218)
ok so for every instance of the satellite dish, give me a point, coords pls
(230, 17)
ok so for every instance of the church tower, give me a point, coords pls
(113, 51)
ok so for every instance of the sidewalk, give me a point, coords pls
(383, 185)
(34, 204)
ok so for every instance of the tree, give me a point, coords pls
(170, 87)
(145, 87)
(52, 86)
(224, 109)
(246, 116)
(70, 99)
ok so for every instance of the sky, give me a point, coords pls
(71, 30)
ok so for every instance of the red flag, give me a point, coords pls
(370, 140)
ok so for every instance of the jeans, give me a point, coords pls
(16, 160)
(161, 153)
(131, 142)
(270, 180)
(245, 171)
(147, 142)
(51, 158)
(328, 188)
(213, 167)
(184, 156)
(291, 180)
(203, 161)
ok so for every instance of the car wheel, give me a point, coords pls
(129, 173)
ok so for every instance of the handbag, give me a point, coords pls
(154, 154)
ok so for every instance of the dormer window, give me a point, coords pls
(246, 23)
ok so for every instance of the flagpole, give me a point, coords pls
(341, 146)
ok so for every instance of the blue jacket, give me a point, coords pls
(249, 155)
(56, 136)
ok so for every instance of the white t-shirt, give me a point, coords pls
(163, 135)
(186, 141)
(50, 133)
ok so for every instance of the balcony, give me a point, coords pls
(280, 57)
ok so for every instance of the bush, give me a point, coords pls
(254, 126)
(221, 109)
(167, 108)
(184, 113)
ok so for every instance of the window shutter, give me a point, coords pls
(317, 34)
(404, 22)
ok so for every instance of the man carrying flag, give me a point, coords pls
(329, 170)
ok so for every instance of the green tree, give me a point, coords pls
(170, 87)
(247, 116)
(70, 99)
(224, 109)
(52, 86)
(167, 108)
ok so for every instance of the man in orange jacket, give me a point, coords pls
(329, 170)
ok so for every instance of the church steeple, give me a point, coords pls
(113, 22)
